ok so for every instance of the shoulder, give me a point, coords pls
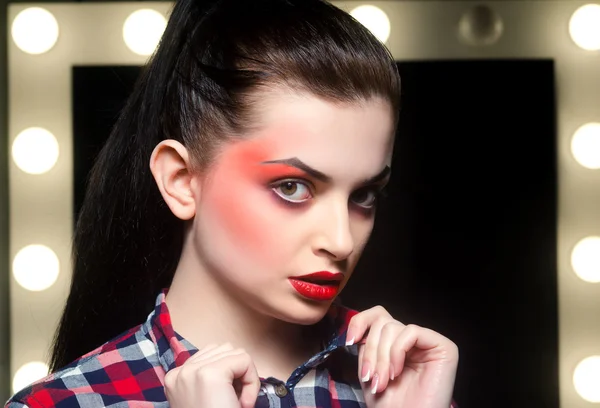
(122, 370)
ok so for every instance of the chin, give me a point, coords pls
(305, 312)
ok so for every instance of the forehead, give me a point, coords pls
(328, 135)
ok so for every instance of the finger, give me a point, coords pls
(250, 387)
(383, 370)
(410, 338)
(217, 357)
(208, 347)
(171, 379)
(389, 338)
(361, 354)
(241, 368)
(212, 348)
(229, 365)
(369, 359)
(361, 322)
(209, 351)
(432, 345)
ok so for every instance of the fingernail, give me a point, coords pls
(366, 372)
(375, 383)
(392, 372)
(350, 342)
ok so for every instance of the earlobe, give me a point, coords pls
(170, 166)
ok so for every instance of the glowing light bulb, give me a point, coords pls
(29, 373)
(584, 27)
(586, 379)
(143, 29)
(374, 19)
(36, 267)
(585, 259)
(35, 150)
(585, 145)
(35, 30)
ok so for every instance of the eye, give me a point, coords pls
(366, 198)
(292, 191)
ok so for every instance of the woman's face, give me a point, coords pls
(297, 196)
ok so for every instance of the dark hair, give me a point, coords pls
(201, 86)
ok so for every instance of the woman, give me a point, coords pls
(243, 175)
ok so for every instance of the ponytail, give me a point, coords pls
(126, 242)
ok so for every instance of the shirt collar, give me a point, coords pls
(174, 350)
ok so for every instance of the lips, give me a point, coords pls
(320, 286)
(321, 277)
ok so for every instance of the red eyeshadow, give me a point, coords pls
(244, 207)
(267, 172)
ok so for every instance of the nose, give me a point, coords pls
(334, 238)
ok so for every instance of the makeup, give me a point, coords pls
(319, 286)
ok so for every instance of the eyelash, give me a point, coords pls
(277, 185)
(379, 193)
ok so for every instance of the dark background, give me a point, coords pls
(465, 243)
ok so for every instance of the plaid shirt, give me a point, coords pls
(129, 371)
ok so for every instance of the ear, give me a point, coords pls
(170, 166)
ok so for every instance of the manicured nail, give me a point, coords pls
(375, 383)
(392, 372)
(366, 372)
(350, 342)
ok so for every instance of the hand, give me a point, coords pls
(214, 377)
(402, 366)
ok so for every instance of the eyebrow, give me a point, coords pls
(378, 177)
(299, 164)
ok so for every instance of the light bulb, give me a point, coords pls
(584, 27)
(35, 30)
(35, 150)
(374, 19)
(585, 145)
(480, 25)
(143, 29)
(36, 267)
(586, 379)
(585, 259)
(27, 374)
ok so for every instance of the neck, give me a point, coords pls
(205, 312)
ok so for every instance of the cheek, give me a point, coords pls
(247, 218)
(361, 232)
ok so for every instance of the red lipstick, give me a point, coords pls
(319, 286)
